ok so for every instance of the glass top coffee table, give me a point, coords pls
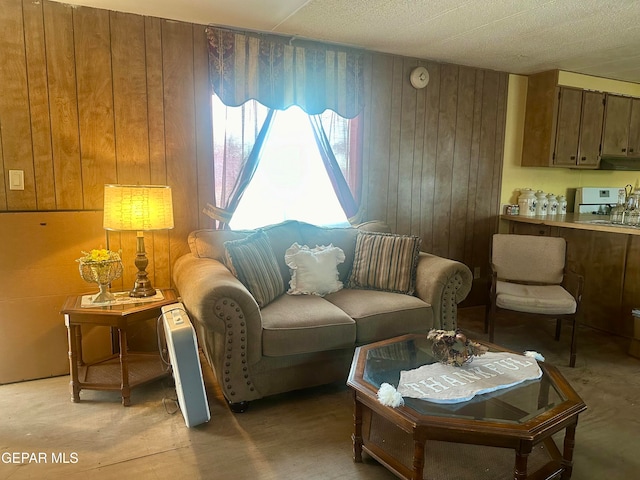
(521, 418)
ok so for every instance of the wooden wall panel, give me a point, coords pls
(430, 151)
(93, 46)
(157, 160)
(130, 98)
(14, 108)
(63, 105)
(182, 167)
(39, 106)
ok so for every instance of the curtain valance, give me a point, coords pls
(280, 72)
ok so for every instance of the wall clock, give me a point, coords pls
(419, 77)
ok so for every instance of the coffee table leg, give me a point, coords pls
(567, 454)
(522, 457)
(418, 458)
(357, 430)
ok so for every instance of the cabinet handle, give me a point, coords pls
(573, 157)
(624, 150)
(584, 159)
(631, 150)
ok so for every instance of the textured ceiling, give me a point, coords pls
(593, 37)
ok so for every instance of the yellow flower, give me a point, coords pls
(98, 255)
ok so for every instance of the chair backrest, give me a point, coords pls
(529, 258)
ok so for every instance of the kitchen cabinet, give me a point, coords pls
(621, 136)
(580, 119)
(563, 126)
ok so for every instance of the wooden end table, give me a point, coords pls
(123, 370)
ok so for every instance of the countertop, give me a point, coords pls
(572, 220)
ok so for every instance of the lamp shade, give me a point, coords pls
(137, 207)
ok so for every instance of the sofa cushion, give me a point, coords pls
(252, 260)
(314, 271)
(381, 315)
(304, 324)
(386, 262)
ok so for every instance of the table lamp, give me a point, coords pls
(138, 208)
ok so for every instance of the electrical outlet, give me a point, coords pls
(476, 272)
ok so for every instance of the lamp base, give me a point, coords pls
(142, 286)
(142, 289)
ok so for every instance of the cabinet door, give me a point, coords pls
(616, 125)
(634, 129)
(568, 127)
(591, 128)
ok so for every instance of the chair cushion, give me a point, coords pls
(381, 315)
(294, 324)
(529, 258)
(314, 271)
(252, 260)
(384, 261)
(548, 300)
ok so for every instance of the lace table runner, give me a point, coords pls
(492, 371)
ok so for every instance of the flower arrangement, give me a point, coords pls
(100, 266)
(452, 347)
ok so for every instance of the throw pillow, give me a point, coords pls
(384, 261)
(314, 271)
(252, 260)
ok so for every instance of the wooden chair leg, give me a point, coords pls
(574, 341)
(486, 318)
(558, 328)
(491, 319)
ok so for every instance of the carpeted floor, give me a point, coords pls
(301, 435)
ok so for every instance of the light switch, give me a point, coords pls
(16, 179)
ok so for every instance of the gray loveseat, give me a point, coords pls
(299, 341)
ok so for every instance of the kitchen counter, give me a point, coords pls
(597, 223)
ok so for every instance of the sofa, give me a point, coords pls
(263, 337)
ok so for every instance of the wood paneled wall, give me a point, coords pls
(433, 157)
(91, 96)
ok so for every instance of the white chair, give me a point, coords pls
(529, 276)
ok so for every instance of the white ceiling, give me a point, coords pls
(593, 37)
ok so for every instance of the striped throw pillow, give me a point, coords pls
(383, 261)
(253, 262)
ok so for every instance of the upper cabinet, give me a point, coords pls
(580, 117)
(621, 135)
(563, 126)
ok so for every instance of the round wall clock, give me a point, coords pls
(419, 77)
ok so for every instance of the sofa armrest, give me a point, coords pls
(220, 303)
(443, 283)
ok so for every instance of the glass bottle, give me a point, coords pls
(617, 212)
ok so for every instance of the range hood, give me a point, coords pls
(620, 163)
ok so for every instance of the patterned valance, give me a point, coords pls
(280, 72)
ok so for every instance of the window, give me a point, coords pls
(291, 181)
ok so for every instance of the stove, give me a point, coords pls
(596, 200)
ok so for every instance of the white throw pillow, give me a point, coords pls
(314, 271)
